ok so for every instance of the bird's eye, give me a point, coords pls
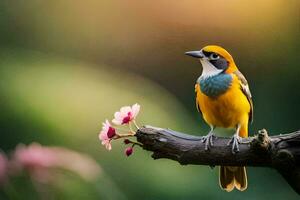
(214, 56)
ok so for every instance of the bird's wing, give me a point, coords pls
(246, 91)
(197, 90)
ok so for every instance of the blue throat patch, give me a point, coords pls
(215, 85)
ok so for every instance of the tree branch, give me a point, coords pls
(281, 152)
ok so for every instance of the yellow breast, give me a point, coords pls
(228, 109)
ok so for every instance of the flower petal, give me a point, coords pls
(103, 136)
(118, 115)
(108, 145)
(125, 110)
(117, 121)
(105, 128)
(135, 110)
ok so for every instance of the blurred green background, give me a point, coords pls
(65, 66)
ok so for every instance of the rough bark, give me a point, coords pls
(281, 152)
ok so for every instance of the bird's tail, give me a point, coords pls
(231, 177)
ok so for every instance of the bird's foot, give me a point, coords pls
(235, 140)
(208, 140)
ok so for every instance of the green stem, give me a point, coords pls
(134, 122)
(125, 135)
(123, 130)
(131, 129)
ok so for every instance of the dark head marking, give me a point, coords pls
(220, 63)
(217, 60)
(206, 53)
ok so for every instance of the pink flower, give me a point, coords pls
(106, 134)
(3, 168)
(40, 162)
(126, 114)
(33, 156)
(128, 151)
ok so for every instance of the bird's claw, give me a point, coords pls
(235, 140)
(208, 140)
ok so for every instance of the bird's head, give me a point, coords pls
(214, 60)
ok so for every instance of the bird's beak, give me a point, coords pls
(195, 54)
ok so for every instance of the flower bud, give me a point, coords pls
(126, 141)
(128, 151)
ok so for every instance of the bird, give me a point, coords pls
(224, 99)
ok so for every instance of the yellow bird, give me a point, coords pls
(224, 99)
